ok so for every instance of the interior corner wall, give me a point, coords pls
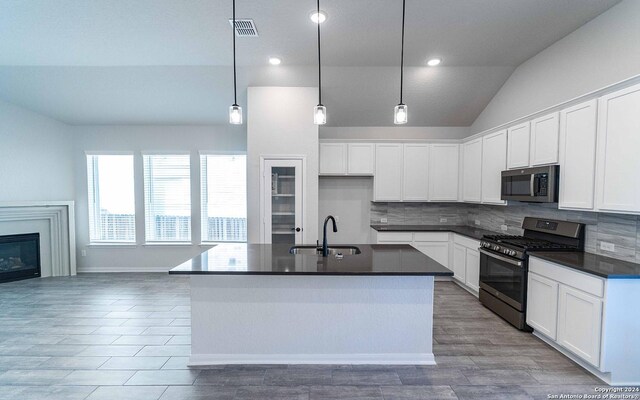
(35, 156)
(604, 51)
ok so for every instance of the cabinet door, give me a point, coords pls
(578, 155)
(542, 304)
(472, 170)
(518, 142)
(494, 161)
(443, 172)
(387, 183)
(360, 158)
(544, 140)
(282, 201)
(580, 323)
(439, 251)
(459, 262)
(472, 273)
(333, 158)
(416, 172)
(618, 149)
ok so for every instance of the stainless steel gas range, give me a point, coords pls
(504, 263)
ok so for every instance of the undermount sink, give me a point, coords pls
(314, 250)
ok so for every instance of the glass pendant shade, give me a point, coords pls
(320, 115)
(235, 115)
(400, 114)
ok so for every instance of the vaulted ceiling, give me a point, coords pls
(169, 62)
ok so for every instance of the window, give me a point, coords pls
(224, 197)
(167, 198)
(111, 198)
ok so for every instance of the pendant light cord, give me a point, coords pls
(319, 63)
(233, 31)
(402, 52)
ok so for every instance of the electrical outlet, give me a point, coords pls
(443, 220)
(83, 253)
(477, 222)
(337, 218)
(383, 220)
(606, 246)
(504, 227)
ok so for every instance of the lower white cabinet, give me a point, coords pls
(459, 264)
(542, 305)
(439, 251)
(472, 276)
(433, 244)
(466, 262)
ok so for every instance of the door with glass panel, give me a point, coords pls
(282, 201)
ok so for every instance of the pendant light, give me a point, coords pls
(235, 111)
(320, 111)
(400, 111)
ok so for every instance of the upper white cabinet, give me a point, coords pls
(618, 147)
(333, 158)
(360, 158)
(443, 172)
(387, 184)
(578, 131)
(472, 170)
(518, 146)
(416, 172)
(544, 140)
(346, 158)
(494, 161)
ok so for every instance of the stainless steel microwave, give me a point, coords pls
(538, 185)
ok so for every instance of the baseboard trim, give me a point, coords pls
(199, 360)
(465, 287)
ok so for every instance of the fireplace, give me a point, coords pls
(19, 257)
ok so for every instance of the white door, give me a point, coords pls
(580, 323)
(360, 158)
(542, 304)
(618, 150)
(439, 251)
(472, 275)
(459, 262)
(282, 200)
(494, 161)
(387, 182)
(544, 140)
(518, 142)
(443, 172)
(578, 135)
(472, 170)
(416, 172)
(333, 158)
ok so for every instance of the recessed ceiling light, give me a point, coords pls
(318, 17)
(433, 62)
(274, 61)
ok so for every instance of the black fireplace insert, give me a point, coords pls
(19, 257)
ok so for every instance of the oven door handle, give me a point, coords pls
(501, 258)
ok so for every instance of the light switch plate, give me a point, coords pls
(504, 227)
(383, 220)
(606, 246)
(477, 222)
(83, 253)
(443, 220)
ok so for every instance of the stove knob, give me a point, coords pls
(512, 253)
(497, 248)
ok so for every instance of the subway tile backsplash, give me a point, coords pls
(621, 230)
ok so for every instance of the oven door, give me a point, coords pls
(503, 277)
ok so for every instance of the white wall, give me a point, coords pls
(280, 122)
(349, 200)
(191, 139)
(604, 51)
(395, 132)
(35, 156)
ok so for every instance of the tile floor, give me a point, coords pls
(126, 336)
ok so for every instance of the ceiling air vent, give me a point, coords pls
(245, 28)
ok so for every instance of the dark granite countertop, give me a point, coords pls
(605, 267)
(464, 230)
(267, 259)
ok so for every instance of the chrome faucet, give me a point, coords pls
(325, 247)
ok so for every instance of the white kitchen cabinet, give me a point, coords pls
(542, 304)
(333, 158)
(518, 143)
(439, 251)
(416, 172)
(578, 134)
(618, 164)
(443, 172)
(459, 262)
(472, 273)
(360, 158)
(544, 140)
(472, 170)
(494, 161)
(580, 323)
(387, 183)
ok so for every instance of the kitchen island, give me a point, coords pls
(260, 304)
